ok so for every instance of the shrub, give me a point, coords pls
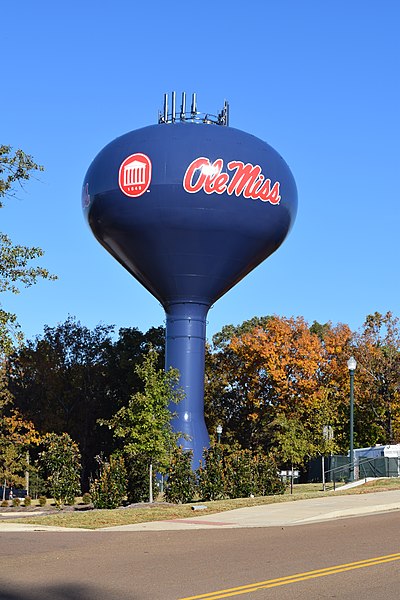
(27, 501)
(211, 474)
(86, 498)
(137, 470)
(181, 482)
(60, 461)
(268, 482)
(37, 485)
(240, 474)
(236, 473)
(4, 503)
(109, 489)
(16, 501)
(42, 500)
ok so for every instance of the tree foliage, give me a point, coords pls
(124, 355)
(212, 473)
(18, 265)
(17, 436)
(138, 478)
(15, 168)
(70, 377)
(143, 427)
(181, 480)
(232, 472)
(59, 380)
(377, 380)
(274, 383)
(109, 488)
(292, 441)
(280, 368)
(60, 463)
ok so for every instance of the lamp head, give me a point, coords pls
(351, 363)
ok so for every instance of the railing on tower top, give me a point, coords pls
(192, 116)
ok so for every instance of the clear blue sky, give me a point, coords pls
(317, 80)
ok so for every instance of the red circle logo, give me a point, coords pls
(135, 175)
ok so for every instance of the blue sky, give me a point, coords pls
(317, 80)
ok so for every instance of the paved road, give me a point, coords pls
(171, 565)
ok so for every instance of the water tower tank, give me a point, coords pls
(189, 206)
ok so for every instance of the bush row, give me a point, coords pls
(225, 472)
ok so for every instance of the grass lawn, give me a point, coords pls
(94, 519)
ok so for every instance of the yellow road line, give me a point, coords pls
(269, 583)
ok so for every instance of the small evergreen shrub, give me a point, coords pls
(181, 481)
(268, 482)
(16, 501)
(240, 474)
(211, 474)
(86, 498)
(109, 489)
(37, 485)
(42, 500)
(236, 473)
(27, 501)
(60, 462)
(4, 503)
(137, 470)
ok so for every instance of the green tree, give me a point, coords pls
(144, 425)
(18, 268)
(124, 355)
(60, 382)
(292, 442)
(70, 377)
(60, 462)
(17, 263)
(15, 168)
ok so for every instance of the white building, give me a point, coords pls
(391, 451)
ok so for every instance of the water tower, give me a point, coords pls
(189, 206)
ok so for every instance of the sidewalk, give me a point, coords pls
(285, 514)
(298, 512)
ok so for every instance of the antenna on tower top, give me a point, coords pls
(194, 116)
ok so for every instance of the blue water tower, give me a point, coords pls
(189, 206)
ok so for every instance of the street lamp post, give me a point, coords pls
(351, 364)
(219, 431)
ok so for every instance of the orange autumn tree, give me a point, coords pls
(331, 403)
(280, 369)
(227, 386)
(282, 361)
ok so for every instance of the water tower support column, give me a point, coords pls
(185, 351)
